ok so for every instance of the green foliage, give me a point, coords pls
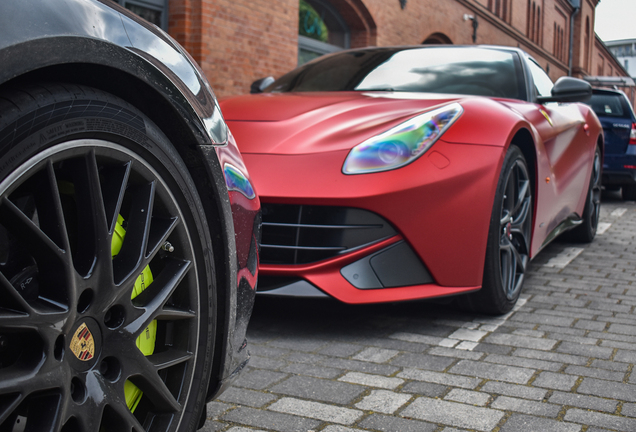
(311, 24)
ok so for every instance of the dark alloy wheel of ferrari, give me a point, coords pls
(507, 252)
(106, 298)
(586, 231)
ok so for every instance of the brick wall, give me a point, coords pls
(238, 41)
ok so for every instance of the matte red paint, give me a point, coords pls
(294, 146)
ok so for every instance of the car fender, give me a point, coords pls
(100, 41)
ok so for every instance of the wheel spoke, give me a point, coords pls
(8, 404)
(173, 314)
(160, 230)
(507, 217)
(155, 296)
(20, 379)
(129, 262)
(11, 299)
(90, 413)
(169, 358)
(38, 244)
(93, 239)
(50, 211)
(524, 188)
(52, 277)
(519, 261)
(519, 222)
(506, 267)
(122, 419)
(145, 377)
(595, 197)
(115, 180)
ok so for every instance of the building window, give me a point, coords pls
(321, 30)
(499, 8)
(537, 37)
(154, 11)
(437, 39)
(533, 30)
(587, 43)
(559, 42)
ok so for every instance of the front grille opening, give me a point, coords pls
(299, 234)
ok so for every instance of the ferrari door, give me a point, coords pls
(563, 180)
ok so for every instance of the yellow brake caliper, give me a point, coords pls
(146, 340)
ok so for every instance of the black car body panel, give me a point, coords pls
(103, 45)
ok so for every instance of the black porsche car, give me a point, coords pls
(128, 226)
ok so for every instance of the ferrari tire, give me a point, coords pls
(508, 246)
(76, 165)
(586, 231)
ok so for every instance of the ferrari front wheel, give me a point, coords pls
(508, 247)
(106, 279)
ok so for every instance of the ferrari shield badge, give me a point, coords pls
(82, 343)
(547, 117)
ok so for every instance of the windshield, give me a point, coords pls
(470, 71)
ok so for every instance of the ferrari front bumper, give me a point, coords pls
(439, 206)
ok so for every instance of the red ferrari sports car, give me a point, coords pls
(399, 173)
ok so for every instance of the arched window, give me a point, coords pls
(321, 30)
(528, 18)
(437, 39)
(534, 18)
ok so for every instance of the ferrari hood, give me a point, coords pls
(302, 123)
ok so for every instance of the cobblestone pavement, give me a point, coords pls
(562, 361)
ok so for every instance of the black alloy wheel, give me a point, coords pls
(508, 247)
(514, 229)
(586, 231)
(106, 295)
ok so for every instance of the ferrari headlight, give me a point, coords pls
(402, 144)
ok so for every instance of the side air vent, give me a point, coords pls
(299, 234)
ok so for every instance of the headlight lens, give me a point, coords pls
(402, 144)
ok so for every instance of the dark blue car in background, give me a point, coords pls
(619, 126)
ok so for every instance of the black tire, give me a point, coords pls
(629, 192)
(508, 247)
(72, 160)
(586, 231)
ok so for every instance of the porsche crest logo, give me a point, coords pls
(82, 343)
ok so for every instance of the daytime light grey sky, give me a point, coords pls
(616, 19)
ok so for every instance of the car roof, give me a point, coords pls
(596, 90)
(434, 46)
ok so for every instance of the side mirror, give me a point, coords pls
(568, 89)
(261, 84)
